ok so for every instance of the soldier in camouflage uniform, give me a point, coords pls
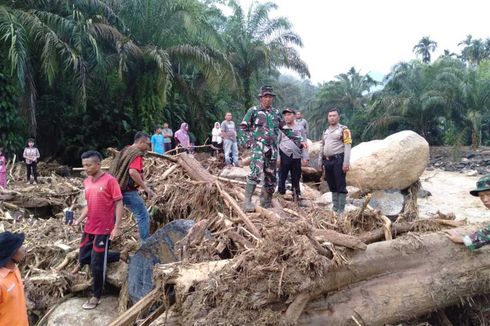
(481, 237)
(259, 131)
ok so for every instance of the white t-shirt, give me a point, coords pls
(216, 135)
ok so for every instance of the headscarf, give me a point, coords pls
(182, 135)
(217, 123)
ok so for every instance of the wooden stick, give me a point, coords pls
(130, 316)
(238, 210)
(168, 172)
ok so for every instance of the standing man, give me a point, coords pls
(230, 146)
(104, 201)
(168, 134)
(481, 237)
(302, 122)
(127, 168)
(292, 157)
(335, 158)
(157, 141)
(13, 310)
(260, 128)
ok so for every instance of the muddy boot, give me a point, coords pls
(249, 191)
(265, 199)
(341, 201)
(297, 199)
(335, 201)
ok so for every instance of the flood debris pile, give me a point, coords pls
(284, 265)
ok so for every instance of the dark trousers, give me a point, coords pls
(334, 175)
(167, 146)
(92, 251)
(31, 170)
(293, 165)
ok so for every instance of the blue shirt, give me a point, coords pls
(157, 142)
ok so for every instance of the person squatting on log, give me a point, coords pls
(104, 201)
(3, 170)
(259, 131)
(291, 156)
(335, 158)
(31, 155)
(127, 168)
(230, 145)
(13, 310)
(481, 237)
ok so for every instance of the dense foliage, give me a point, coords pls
(80, 74)
(447, 101)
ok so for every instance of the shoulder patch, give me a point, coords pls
(346, 136)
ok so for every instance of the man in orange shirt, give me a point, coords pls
(13, 309)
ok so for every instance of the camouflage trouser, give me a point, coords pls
(263, 162)
(478, 239)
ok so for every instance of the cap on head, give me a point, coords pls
(288, 110)
(266, 90)
(483, 184)
(9, 244)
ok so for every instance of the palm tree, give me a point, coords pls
(257, 42)
(424, 48)
(474, 50)
(177, 35)
(46, 39)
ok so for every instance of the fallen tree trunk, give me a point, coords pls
(389, 282)
(399, 280)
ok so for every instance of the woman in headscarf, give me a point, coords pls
(182, 136)
(216, 138)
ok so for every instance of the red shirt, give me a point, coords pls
(137, 165)
(101, 196)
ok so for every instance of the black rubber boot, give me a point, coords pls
(335, 201)
(249, 191)
(265, 199)
(341, 206)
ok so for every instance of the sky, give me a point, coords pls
(374, 35)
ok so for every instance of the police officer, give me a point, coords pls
(334, 157)
(259, 131)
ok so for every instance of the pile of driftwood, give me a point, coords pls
(285, 265)
(290, 265)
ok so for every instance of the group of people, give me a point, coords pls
(269, 134)
(272, 136)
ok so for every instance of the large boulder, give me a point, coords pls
(392, 163)
(71, 312)
(389, 202)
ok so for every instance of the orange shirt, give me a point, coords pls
(13, 309)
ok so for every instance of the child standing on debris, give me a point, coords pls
(104, 200)
(481, 237)
(31, 155)
(3, 170)
(13, 309)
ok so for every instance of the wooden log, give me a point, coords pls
(130, 316)
(398, 280)
(339, 239)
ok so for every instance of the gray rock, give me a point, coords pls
(389, 202)
(71, 312)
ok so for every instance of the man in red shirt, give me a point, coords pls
(104, 200)
(131, 197)
(13, 309)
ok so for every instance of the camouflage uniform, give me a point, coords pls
(481, 237)
(259, 131)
